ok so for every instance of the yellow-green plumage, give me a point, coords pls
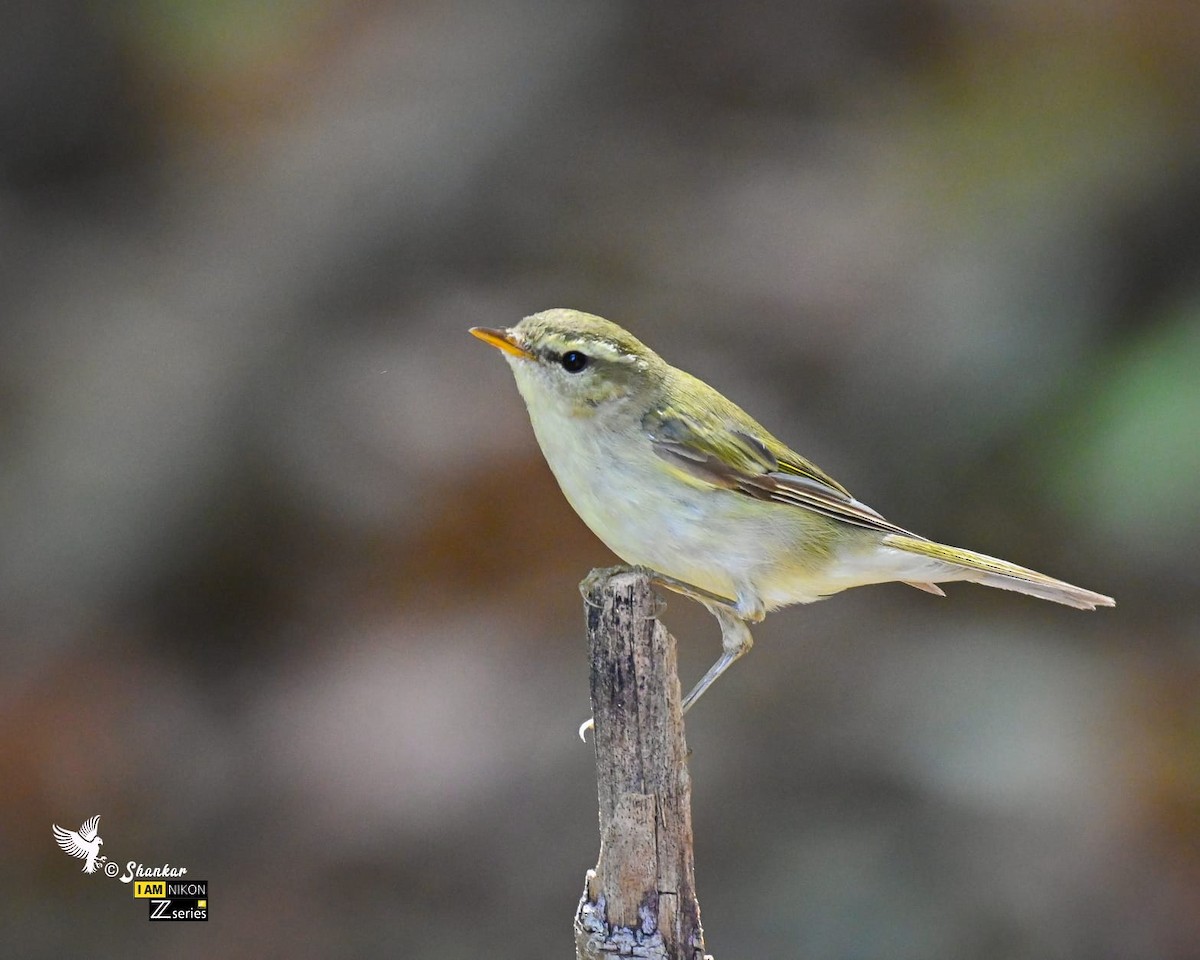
(675, 477)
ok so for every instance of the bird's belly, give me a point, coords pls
(719, 540)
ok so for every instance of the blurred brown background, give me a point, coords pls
(288, 596)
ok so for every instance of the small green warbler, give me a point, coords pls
(682, 482)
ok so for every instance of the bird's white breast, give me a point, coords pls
(645, 513)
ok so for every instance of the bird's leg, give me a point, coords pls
(735, 642)
(712, 601)
(731, 615)
(699, 594)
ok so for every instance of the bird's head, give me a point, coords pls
(100, 841)
(575, 362)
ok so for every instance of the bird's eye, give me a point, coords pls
(573, 361)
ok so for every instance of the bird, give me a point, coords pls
(83, 843)
(682, 484)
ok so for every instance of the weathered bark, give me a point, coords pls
(640, 900)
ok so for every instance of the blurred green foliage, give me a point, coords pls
(1128, 462)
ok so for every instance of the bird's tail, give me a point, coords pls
(978, 568)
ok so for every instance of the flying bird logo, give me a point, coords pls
(83, 843)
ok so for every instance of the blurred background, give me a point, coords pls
(288, 595)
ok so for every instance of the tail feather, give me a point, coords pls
(927, 587)
(992, 572)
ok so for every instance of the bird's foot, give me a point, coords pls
(600, 574)
(699, 594)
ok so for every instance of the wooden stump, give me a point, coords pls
(640, 899)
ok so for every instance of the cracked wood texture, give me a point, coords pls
(640, 900)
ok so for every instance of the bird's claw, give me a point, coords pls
(601, 574)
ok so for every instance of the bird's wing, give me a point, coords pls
(89, 828)
(70, 842)
(735, 454)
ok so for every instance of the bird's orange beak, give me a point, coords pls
(501, 340)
